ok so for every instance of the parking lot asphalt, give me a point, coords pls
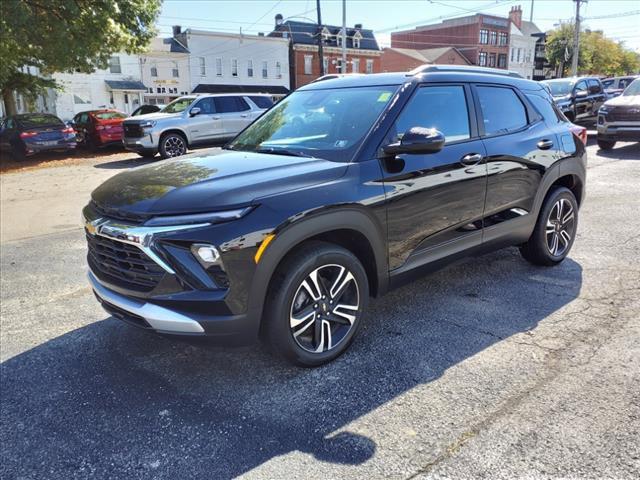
(490, 368)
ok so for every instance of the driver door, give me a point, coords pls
(436, 198)
(582, 100)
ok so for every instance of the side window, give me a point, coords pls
(206, 105)
(10, 123)
(581, 86)
(594, 86)
(545, 108)
(624, 82)
(443, 108)
(502, 110)
(83, 118)
(607, 83)
(261, 102)
(230, 104)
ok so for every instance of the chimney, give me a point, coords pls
(261, 34)
(278, 20)
(177, 30)
(515, 15)
(358, 26)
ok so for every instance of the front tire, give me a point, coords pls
(606, 144)
(172, 145)
(315, 304)
(555, 229)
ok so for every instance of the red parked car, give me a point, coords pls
(99, 128)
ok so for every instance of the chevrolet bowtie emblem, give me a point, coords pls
(92, 227)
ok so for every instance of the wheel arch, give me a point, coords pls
(350, 228)
(174, 130)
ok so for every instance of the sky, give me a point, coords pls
(622, 20)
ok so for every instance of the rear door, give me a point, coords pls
(207, 125)
(520, 147)
(437, 198)
(235, 113)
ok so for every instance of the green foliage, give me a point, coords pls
(68, 36)
(598, 55)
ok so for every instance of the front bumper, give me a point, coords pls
(629, 131)
(147, 143)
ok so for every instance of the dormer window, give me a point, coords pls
(356, 39)
(340, 37)
(326, 34)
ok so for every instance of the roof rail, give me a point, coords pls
(463, 69)
(331, 76)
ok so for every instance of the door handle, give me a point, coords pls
(244, 115)
(471, 159)
(545, 144)
(216, 118)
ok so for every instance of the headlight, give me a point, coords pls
(198, 218)
(148, 124)
(605, 109)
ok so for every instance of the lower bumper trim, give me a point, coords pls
(159, 318)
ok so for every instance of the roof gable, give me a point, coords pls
(305, 33)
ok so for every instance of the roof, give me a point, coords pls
(125, 85)
(221, 88)
(306, 33)
(166, 45)
(427, 55)
(529, 28)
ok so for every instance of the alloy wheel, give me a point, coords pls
(324, 308)
(174, 146)
(560, 227)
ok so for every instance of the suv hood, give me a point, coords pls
(624, 101)
(153, 116)
(210, 182)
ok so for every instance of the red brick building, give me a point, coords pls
(405, 59)
(482, 39)
(363, 53)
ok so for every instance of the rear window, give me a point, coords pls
(109, 115)
(262, 102)
(502, 110)
(39, 120)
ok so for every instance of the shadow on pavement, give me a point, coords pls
(112, 401)
(622, 151)
(134, 161)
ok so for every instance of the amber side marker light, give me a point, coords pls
(263, 246)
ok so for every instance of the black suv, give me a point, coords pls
(339, 192)
(579, 98)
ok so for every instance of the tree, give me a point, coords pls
(598, 55)
(66, 36)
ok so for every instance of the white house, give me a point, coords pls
(233, 62)
(118, 86)
(165, 71)
(523, 44)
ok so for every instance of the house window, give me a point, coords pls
(502, 39)
(249, 68)
(339, 37)
(492, 59)
(356, 40)
(482, 59)
(174, 71)
(325, 64)
(493, 37)
(502, 60)
(369, 67)
(356, 65)
(114, 65)
(203, 66)
(278, 70)
(218, 67)
(307, 64)
(234, 68)
(484, 36)
(154, 71)
(513, 53)
(265, 70)
(519, 53)
(126, 98)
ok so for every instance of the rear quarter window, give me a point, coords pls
(545, 107)
(262, 102)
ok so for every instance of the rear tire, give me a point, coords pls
(555, 229)
(606, 144)
(315, 304)
(172, 145)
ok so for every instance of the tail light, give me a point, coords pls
(28, 134)
(69, 130)
(579, 132)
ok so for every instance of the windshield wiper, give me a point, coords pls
(282, 151)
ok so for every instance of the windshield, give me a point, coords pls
(329, 124)
(560, 87)
(633, 89)
(109, 115)
(178, 105)
(34, 121)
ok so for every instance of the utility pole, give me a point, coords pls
(320, 53)
(576, 40)
(531, 12)
(344, 37)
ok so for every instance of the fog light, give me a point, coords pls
(206, 254)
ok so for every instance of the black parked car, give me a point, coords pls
(144, 109)
(579, 98)
(31, 133)
(287, 233)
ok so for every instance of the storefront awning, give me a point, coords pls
(126, 85)
(221, 88)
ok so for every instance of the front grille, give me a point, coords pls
(133, 130)
(122, 264)
(622, 115)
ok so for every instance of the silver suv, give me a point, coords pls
(192, 120)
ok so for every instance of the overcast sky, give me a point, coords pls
(384, 16)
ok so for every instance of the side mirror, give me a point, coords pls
(417, 140)
(580, 93)
(194, 111)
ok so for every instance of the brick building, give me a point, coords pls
(363, 53)
(406, 59)
(482, 39)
